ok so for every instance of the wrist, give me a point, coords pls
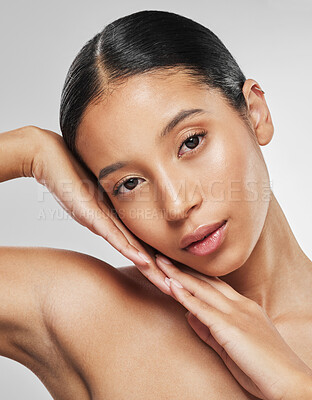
(17, 151)
(31, 137)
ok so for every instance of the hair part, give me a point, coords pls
(145, 42)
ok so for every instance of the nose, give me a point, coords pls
(178, 197)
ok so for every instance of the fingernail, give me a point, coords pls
(167, 280)
(176, 283)
(162, 259)
(143, 256)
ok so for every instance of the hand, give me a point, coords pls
(240, 331)
(40, 153)
(54, 165)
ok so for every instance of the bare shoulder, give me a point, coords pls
(61, 292)
(35, 281)
(52, 302)
(112, 322)
(88, 323)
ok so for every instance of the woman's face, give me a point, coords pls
(166, 185)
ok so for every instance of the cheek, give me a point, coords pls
(236, 182)
(145, 222)
(248, 198)
(230, 170)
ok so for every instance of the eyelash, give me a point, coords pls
(201, 134)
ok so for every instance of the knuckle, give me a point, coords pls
(199, 310)
(188, 296)
(251, 306)
(199, 288)
(187, 299)
(203, 284)
(106, 235)
(229, 306)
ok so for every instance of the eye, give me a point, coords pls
(192, 141)
(130, 184)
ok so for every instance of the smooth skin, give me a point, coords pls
(229, 323)
(103, 332)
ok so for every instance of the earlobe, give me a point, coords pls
(258, 112)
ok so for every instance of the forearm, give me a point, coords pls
(17, 149)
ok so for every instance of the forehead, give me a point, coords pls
(140, 93)
(136, 110)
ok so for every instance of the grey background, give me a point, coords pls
(271, 40)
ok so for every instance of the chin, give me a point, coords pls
(222, 262)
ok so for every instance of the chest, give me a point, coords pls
(152, 353)
(156, 358)
(170, 362)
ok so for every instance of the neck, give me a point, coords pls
(276, 269)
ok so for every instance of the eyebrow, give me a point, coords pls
(181, 116)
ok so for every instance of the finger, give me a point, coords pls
(101, 224)
(84, 206)
(106, 206)
(117, 239)
(129, 235)
(211, 316)
(151, 272)
(89, 214)
(117, 234)
(199, 288)
(215, 281)
(84, 211)
(155, 276)
(106, 228)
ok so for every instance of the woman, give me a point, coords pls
(150, 88)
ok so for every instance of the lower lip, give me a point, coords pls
(209, 244)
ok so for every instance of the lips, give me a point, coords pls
(199, 233)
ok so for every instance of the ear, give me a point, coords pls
(258, 111)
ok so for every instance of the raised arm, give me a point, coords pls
(42, 154)
(34, 152)
(17, 149)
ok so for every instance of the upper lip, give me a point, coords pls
(199, 233)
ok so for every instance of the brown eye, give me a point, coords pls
(126, 186)
(131, 183)
(191, 142)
